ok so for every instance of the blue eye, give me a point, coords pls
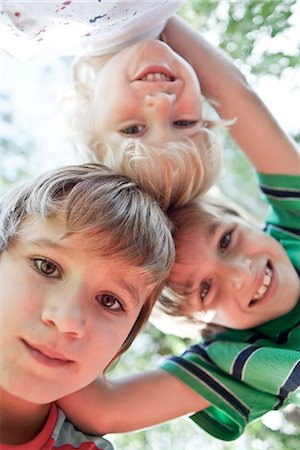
(204, 289)
(225, 240)
(46, 268)
(110, 302)
(133, 130)
(185, 123)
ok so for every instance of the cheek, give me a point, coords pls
(228, 316)
(99, 354)
(30, 295)
(111, 112)
(18, 292)
(111, 89)
(106, 338)
(193, 86)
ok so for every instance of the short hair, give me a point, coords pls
(172, 308)
(100, 202)
(174, 172)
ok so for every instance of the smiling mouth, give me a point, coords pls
(155, 73)
(263, 289)
(156, 76)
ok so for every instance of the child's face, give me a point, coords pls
(147, 91)
(67, 311)
(237, 274)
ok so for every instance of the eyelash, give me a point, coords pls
(204, 286)
(128, 130)
(223, 244)
(38, 266)
(226, 239)
(134, 130)
(119, 308)
(184, 123)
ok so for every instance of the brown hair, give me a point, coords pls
(171, 312)
(98, 201)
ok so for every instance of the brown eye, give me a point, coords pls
(185, 123)
(204, 289)
(110, 302)
(225, 240)
(46, 267)
(133, 130)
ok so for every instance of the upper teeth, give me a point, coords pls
(266, 282)
(156, 77)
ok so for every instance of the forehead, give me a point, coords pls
(200, 233)
(52, 235)
(37, 229)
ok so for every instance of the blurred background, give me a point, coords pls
(263, 37)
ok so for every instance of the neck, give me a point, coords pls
(20, 421)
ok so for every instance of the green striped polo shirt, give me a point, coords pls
(245, 373)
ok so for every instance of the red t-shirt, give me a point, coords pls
(59, 433)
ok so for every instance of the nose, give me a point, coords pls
(238, 273)
(159, 105)
(66, 313)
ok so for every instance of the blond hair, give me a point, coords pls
(174, 172)
(119, 217)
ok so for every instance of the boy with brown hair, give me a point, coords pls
(84, 254)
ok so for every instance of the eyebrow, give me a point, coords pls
(48, 243)
(135, 297)
(212, 229)
(183, 289)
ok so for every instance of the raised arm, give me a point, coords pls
(130, 403)
(256, 131)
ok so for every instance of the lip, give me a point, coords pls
(46, 356)
(155, 69)
(271, 288)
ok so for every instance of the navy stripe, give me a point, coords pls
(241, 360)
(211, 341)
(214, 385)
(280, 193)
(284, 335)
(290, 230)
(196, 349)
(280, 403)
(282, 338)
(255, 337)
(292, 383)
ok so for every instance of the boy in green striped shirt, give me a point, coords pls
(230, 276)
(248, 282)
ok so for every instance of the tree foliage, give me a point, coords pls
(241, 29)
(242, 25)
